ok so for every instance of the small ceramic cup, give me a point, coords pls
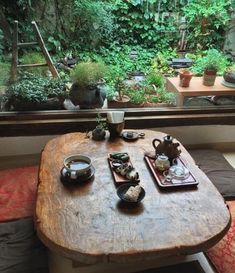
(77, 165)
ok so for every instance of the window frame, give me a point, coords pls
(64, 121)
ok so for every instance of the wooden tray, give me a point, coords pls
(119, 179)
(189, 181)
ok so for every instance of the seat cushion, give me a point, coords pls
(18, 189)
(222, 255)
(217, 168)
(20, 249)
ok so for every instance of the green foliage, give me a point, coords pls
(151, 90)
(137, 96)
(34, 58)
(155, 79)
(147, 22)
(55, 44)
(88, 74)
(214, 60)
(160, 63)
(95, 21)
(4, 73)
(207, 21)
(164, 96)
(1, 45)
(100, 122)
(33, 88)
(110, 92)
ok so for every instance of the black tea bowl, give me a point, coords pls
(124, 188)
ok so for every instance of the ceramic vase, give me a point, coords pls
(98, 133)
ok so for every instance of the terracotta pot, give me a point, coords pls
(185, 77)
(209, 77)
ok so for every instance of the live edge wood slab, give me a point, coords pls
(87, 222)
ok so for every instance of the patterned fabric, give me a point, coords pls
(222, 255)
(18, 192)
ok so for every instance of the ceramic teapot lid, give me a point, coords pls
(162, 157)
(168, 138)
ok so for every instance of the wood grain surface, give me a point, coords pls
(88, 223)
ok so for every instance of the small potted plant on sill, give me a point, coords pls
(88, 89)
(99, 132)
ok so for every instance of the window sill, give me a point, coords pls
(63, 121)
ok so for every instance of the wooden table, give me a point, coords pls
(87, 222)
(196, 88)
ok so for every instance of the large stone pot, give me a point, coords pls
(229, 76)
(88, 98)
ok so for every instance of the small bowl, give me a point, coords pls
(77, 165)
(124, 188)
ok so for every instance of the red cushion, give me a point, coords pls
(18, 189)
(222, 255)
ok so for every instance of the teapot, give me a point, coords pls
(167, 147)
(162, 163)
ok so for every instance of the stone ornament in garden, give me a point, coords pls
(229, 77)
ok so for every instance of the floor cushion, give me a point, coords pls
(222, 255)
(217, 168)
(20, 249)
(18, 189)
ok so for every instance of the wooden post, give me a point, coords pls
(14, 53)
(52, 68)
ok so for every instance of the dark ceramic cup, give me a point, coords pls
(115, 129)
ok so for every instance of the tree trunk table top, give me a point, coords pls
(87, 222)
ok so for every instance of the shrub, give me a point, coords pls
(34, 58)
(88, 74)
(32, 88)
(214, 60)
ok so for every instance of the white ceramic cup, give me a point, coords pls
(77, 165)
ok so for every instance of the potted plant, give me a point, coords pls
(117, 99)
(32, 92)
(185, 77)
(88, 89)
(211, 64)
(99, 132)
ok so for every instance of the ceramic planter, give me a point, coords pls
(185, 77)
(209, 77)
(89, 97)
